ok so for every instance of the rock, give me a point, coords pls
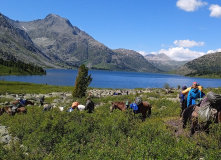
(4, 135)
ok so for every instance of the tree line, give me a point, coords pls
(27, 67)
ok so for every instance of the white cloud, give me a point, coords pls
(188, 43)
(143, 53)
(181, 54)
(215, 10)
(214, 51)
(190, 5)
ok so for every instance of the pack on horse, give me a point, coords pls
(200, 116)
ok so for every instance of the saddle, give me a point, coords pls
(14, 108)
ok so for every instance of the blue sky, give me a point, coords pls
(182, 29)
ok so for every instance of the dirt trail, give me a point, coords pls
(175, 125)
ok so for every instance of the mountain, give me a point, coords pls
(207, 66)
(134, 61)
(55, 42)
(16, 44)
(163, 62)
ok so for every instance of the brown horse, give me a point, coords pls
(8, 110)
(144, 108)
(26, 102)
(118, 105)
(190, 115)
(5, 110)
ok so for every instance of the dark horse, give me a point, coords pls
(26, 102)
(8, 110)
(144, 108)
(190, 115)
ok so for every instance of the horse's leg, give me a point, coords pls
(219, 117)
(193, 126)
(149, 112)
(144, 116)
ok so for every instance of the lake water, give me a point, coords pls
(114, 79)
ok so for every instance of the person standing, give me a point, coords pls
(42, 100)
(193, 94)
(183, 100)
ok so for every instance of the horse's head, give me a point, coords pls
(113, 106)
(29, 102)
(1, 111)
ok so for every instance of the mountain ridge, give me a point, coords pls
(65, 45)
(163, 62)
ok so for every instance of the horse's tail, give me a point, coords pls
(149, 110)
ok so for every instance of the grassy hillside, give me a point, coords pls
(21, 87)
(105, 135)
(205, 66)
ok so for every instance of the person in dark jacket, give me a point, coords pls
(42, 100)
(183, 100)
(89, 105)
(193, 94)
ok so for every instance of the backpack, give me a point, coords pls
(134, 106)
(214, 98)
(138, 101)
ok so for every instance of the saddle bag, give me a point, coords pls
(138, 100)
(204, 113)
(214, 98)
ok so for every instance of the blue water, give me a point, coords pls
(114, 79)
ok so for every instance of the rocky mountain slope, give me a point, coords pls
(16, 43)
(67, 45)
(206, 65)
(134, 61)
(163, 62)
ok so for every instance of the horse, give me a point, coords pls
(144, 108)
(8, 110)
(26, 102)
(190, 115)
(47, 107)
(5, 110)
(118, 105)
(21, 110)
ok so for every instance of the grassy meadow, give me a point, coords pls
(104, 135)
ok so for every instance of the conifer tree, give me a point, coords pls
(82, 82)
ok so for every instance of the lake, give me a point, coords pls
(114, 79)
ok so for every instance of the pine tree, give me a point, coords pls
(82, 82)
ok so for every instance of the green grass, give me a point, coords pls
(20, 87)
(103, 135)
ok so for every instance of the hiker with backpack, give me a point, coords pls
(183, 100)
(193, 94)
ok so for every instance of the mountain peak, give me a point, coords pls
(53, 16)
